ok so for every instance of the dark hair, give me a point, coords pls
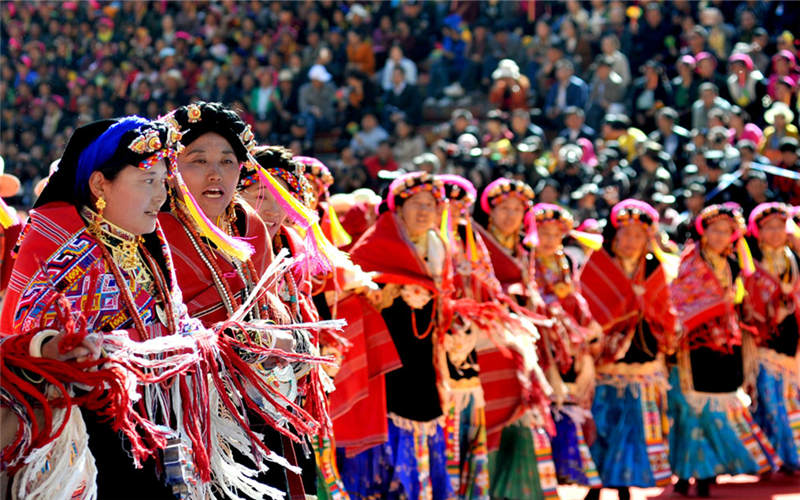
(200, 118)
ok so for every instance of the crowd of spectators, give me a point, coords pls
(678, 103)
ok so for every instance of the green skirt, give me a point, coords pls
(514, 469)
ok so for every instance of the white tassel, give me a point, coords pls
(60, 469)
(229, 476)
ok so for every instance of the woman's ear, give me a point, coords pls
(97, 185)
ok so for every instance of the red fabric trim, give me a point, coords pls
(384, 248)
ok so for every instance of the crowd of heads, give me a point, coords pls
(679, 104)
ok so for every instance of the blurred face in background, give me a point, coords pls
(717, 236)
(772, 233)
(507, 216)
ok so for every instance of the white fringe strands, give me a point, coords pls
(64, 469)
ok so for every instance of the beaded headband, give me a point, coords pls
(316, 172)
(458, 190)
(408, 185)
(547, 212)
(502, 188)
(633, 211)
(764, 211)
(713, 213)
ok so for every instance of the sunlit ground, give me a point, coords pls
(778, 487)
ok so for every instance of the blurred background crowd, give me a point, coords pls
(677, 103)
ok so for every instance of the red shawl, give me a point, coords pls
(614, 304)
(764, 297)
(705, 309)
(358, 405)
(508, 392)
(200, 295)
(385, 248)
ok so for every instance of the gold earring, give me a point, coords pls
(100, 205)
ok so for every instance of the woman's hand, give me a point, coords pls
(89, 349)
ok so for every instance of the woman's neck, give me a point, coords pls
(507, 241)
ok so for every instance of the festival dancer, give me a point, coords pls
(97, 319)
(411, 262)
(320, 178)
(713, 432)
(215, 280)
(303, 290)
(554, 275)
(772, 305)
(521, 467)
(627, 290)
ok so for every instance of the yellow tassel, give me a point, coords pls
(240, 250)
(443, 232)
(740, 292)
(745, 257)
(589, 240)
(338, 234)
(670, 262)
(792, 227)
(473, 247)
(6, 218)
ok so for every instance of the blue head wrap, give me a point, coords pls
(102, 149)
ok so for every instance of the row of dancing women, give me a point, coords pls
(191, 314)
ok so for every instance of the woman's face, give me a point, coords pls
(211, 171)
(630, 241)
(419, 213)
(549, 238)
(772, 233)
(133, 198)
(717, 236)
(507, 216)
(267, 207)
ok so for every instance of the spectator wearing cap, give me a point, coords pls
(707, 71)
(694, 198)
(397, 58)
(462, 122)
(521, 126)
(548, 190)
(359, 52)
(569, 90)
(496, 128)
(447, 63)
(746, 85)
(709, 99)
(381, 160)
(718, 140)
(510, 88)
(617, 127)
(613, 178)
(685, 88)
(713, 172)
(263, 97)
(784, 65)
(575, 128)
(760, 42)
(652, 167)
(650, 37)
(610, 46)
(606, 89)
(756, 191)
(720, 33)
(530, 160)
(570, 172)
(672, 137)
(741, 128)
(649, 93)
(787, 189)
(585, 200)
(780, 118)
(365, 142)
(315, 101)
(407, 145)
(402, 100)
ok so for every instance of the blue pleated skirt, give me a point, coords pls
(777, 409)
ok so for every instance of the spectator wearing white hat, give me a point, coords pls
(316, 101)
(779, 117)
